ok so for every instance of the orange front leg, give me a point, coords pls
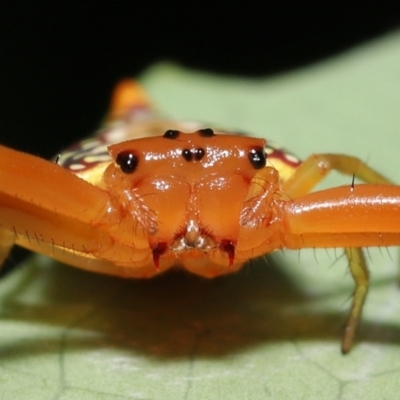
(46, 208)
(350, 217)
(306, 176)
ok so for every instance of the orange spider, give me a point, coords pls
(143, 196)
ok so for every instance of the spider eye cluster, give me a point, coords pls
(127, 161)
(193, 154)
(190, 154)
(221, 151)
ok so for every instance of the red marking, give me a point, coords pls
(158, 250)
(283, 156)
(228, 247)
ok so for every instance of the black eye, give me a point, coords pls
(199, 154)
(171, 134)
(128, 161)
(207, 132)
(257, 157)
(187, 154)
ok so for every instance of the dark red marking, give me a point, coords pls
(158, 250)
(282, 155)
(228, 247)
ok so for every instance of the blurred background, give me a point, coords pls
(60, 60)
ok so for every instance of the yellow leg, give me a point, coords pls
(360, 275)
(316, 167)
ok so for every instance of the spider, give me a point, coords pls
(146, 194)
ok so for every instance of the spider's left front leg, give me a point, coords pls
(45, 208)
(304, 179)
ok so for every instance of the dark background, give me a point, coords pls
(59, 60)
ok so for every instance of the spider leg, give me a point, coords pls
(317, 167)
(360, 275)
(45, 208)
(303, 180)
